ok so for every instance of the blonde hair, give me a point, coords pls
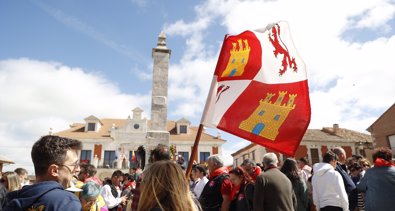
(12, 181)
(365, 163)
(165, 186)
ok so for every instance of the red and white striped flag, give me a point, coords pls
(259, 90)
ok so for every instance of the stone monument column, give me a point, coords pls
(157, 132)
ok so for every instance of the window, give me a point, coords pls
(204, 156)
(91, 126)
(185, 155)
(109, 157)
(136, 126)
(253, 155)
(314, 156)
(86, 156)
(183, 129)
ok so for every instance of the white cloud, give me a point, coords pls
(37, 96)
(377, 16)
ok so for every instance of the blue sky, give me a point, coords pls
(61, 61)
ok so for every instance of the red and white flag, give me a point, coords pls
(259, 91)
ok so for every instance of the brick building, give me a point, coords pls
(383, 129)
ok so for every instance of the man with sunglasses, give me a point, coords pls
(55, 161)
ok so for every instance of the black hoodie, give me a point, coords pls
(42, 196)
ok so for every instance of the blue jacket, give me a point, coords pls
(43, 196)
(378, 183)
(351, 189)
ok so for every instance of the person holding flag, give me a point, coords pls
(217, 193)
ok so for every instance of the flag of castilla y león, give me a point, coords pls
(259, 90)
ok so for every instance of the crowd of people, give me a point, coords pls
(337, 183)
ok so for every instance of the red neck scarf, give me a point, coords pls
(380, 162)
(218, 171)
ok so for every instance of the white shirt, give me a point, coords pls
(328, 187)
(109, 199)
(200, 186)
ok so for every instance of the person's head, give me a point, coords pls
(356, 157)
(239, 176)
(269, 160)
(132, 170)
(11, 181)
(330, 157)
(341, 154)
(89, 194)
(165, 186)
(248, 166)
(56, 158)
(106, 181)
(198, 172)
(214, 162)
(129, 178)
(161, 152)
(117, 177)
(383, 153)
(290, 169)
(364, 163)
(86, 171)
(302, 162)
(22, 175)
(355, 169)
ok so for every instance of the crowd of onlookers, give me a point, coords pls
(337, 183)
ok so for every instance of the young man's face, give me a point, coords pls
(117, 180)
(23, 178)
(69, 168)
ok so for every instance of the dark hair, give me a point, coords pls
(383, 153)
(248, 162)
(20, 171)
(106, 181)
(354, 166)
(238, 171)
(290, 169)
(89, 169)
(201, 169)
(329, 156)
(303, 160)
(357, 157)
(129, 177)
(161, 152)
(117, 173)
(50, 150)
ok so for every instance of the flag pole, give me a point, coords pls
(194, 151)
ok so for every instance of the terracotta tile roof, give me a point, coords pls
(244, 148)
(77, 130)
(326, 134)
(349, 135)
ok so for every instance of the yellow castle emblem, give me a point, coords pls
(268, 117)
(238, 59)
